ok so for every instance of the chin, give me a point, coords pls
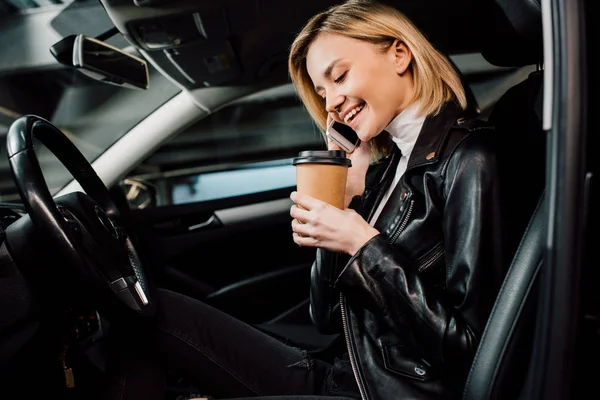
(368, 131)
(368, 135)
(364, 133)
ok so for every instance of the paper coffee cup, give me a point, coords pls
(322, 174)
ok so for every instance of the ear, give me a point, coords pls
(402, 56)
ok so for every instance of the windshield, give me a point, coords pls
(92, 114)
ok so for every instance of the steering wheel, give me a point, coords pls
(85, 229)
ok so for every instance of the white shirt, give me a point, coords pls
(404, 130)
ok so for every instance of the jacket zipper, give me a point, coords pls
(404, 222)
(432, 260)
(353, 363)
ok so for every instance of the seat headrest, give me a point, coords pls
(511, 32)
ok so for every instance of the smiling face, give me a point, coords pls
(363, 86)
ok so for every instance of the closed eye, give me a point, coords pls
(341, 78)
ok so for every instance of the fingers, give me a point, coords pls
(331, 145)
(305, 241)
(306, 202)
(361, 150)
(300, 229)
(302, 234)
(361, 155)
(306, 214)
(299, 213)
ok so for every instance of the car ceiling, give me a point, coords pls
(240, 42)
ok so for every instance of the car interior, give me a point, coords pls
(51, 290)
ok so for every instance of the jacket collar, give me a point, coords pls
(427, 148)
(433, 135)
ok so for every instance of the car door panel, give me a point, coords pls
(237, 253)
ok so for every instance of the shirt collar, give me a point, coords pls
(405, 127)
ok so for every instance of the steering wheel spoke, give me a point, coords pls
(130, 291)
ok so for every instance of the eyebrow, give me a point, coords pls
(327, 72)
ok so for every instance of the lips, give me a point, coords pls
(351, 114)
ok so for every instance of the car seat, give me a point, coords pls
(500, 366)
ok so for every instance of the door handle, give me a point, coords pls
(210, 223)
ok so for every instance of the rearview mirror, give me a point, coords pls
(106, 63)
(101, 61)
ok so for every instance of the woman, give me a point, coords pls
(418, 258)
(410, 270)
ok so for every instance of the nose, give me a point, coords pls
(333, 102)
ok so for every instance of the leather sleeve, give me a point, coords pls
(324, 296)
(446, 325)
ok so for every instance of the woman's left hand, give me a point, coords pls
(318, 224)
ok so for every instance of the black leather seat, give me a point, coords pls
(499, 370)
(501, 362)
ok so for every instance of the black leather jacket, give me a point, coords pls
(414, 300)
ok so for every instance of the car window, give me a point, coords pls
(244, 148)
(248, 179)
(93, 115)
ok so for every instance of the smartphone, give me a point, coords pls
(343, 136)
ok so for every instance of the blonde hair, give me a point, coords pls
(436, 81)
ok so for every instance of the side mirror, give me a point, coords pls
(102, 62)
(139, 194)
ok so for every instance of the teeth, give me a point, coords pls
(352, 113)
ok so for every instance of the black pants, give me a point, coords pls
(218, 354)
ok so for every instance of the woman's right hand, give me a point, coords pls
(357, 173)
